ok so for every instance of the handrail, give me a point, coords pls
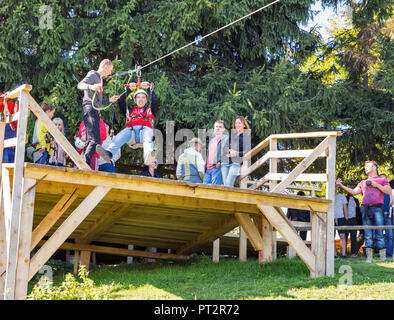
(309, 156)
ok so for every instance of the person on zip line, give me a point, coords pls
(92, 86)
(139, 122)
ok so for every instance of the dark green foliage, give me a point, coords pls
(250, 68)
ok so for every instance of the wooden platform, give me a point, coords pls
(150, 212)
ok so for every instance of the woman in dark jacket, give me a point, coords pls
(235, 147)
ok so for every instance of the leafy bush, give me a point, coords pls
(70, 289)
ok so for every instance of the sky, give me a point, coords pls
(323, 19)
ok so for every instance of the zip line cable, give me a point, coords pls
(139, 68)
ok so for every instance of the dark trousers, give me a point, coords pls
(353, 236)
(91, 118)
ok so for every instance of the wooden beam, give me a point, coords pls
(216, 250)
(318, 134)
(25, 232)
(283, 154)
(259, 183)
(67, 227)
(288, 233)
(304, 164)
(3, 243)
(112, 215)
(321, 177)
(2, 142)
(17, 92)
(225, 225)
(219, 195)
(249, 170)
(119, 251)
(250, 229)
(12, 243)
(57, 135)
(52, 217)
(330, 195)
(319, 245)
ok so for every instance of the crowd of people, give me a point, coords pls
(100, 149)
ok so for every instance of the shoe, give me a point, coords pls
(354, 256)
(343, 257)
(106, 155)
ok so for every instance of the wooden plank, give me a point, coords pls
(175, 190)
(120, 251)
(283, 154)
(259, 183)
(250, 229)
(52, 217)
(57, 135)
(302, 166)
(3, 243)
(318, 134)
(243, 245)
(289, 235)
(216, 250)
(111, 216)
(9, 143)
(12, 241)
(315, 177)
(249, 170)
(17, 92)
(67, 227)
(256, 149)
(25, 232)
(209, 235)
(330, 195)
(319, 243)
(267, 240)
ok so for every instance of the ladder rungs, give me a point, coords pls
(10, 142)
(11, 118)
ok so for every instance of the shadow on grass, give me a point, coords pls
(200, 278)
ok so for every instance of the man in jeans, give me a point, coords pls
(213, 173)
(373, 189)
(92, 86)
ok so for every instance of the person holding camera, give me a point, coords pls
(373, 189)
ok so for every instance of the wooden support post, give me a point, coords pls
(25, 232)
(243, 239)
(250, 229)
(3, 243)
(289, 234)
(319, 243)
(85, 259)
(76, 261)
(330, 194)
(12, 252)
(268, 239)
(67, 227)
(215, 250)
(243, 245)
(50, 219)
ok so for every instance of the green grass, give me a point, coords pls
(200, 278)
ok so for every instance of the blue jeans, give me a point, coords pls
(213, 176)
(44, 158)
(230, 173)
(388, 235)
(373, 216)
(8, 155)
(140, 132)
(106, 167)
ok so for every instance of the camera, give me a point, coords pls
(368, 183)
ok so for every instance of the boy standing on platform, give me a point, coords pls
(92, 85)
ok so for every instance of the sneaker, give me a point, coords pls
(343, 257)
(106, 155)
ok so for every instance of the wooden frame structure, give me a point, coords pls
(53, 208)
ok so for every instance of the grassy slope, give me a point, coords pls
(230, 279)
